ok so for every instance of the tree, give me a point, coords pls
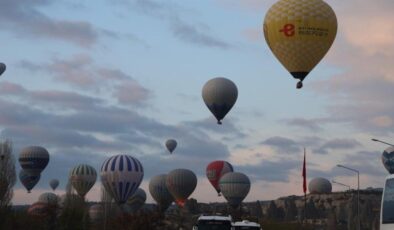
(7, 174)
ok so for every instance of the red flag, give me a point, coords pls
(304, 174)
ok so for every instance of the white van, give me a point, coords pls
(214, 223)
(387, 208)
(246, 225)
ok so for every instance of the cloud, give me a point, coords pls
(337, 144)
(308, 124)
(80, 71)
(282, 144)
(184, 31)
(24, 18)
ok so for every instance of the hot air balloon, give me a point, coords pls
(300, 33)
(29, 180)
(38, 209)
(82, 178)
(388, 159)
(96, 213)
(171, 145)
(181, 184)
(121, 175)
(219, 95)
(49, 198)
(34, 159)
(215, 170)
(54, 183)
(235, 187)
(159, 191)
(319, 185)
(137, 200)
(2, 68)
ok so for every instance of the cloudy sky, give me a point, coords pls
(88, 81)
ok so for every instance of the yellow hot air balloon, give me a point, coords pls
(299, 33)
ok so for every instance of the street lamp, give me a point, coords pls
(373, 139)
(336, 182)
(358, 192)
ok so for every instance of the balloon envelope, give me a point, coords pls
(215, 170)
(171, 145)
(300, 33)
(82, 178)
(48, 198)
(159, 191)
(29, 180)
(388, 159)
(219, 95)
(54, 183)
(235, 187)
(137, 200)
(121, 176)
(2, 68)
(34, 159)
(181, 184)
(38, 209)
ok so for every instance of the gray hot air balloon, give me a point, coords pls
(159, 191)
(54, 183)
(171, 145)
(235, 187)
(319, 185)
(388, 159)
(181, 184)
(82, 178)
(2, 68)
(49, 198)
(219, 95)
(137, 200)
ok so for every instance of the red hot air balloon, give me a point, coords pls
(215, 170)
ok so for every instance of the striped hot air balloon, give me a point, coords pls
(82, 178)
(219, 95)
(181, 184)
(29, 180)
(34, 159)
(121, 176)
(159, 191)
(137, 200)
(215, 170)
(235, 187)
(388, 159)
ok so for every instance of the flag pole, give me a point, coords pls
(304, 183)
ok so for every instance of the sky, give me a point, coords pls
(88, 81)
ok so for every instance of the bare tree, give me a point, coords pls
(7, 173)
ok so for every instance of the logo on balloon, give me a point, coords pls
(288, 30)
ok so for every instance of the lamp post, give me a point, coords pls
(336, 182)
(386, 143)
(358, 192)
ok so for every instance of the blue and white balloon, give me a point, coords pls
(388, 159)
(121, 176)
